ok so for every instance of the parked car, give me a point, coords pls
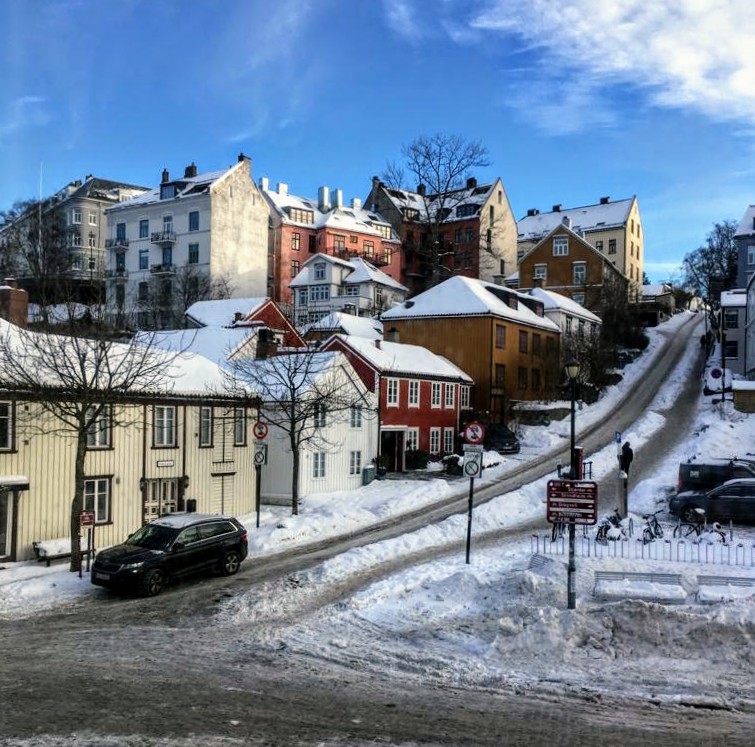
(501, 438)
(169, 548)
(694, 475)
(733, 500)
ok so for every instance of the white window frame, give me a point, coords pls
(319, 273)
(450, 399)
(76, 216)
(94, 489)
(560, 246)
(435, 394)
(206, 421)
(412, 439)
(164, 427)
(320, 417)
(448, 440)
(239, 426)
(413, 393)
(391, 392)
(578, 298)
(465, 393)
(541, 272)
(356, 416)
(318, 465)
(99, 431)
(143, 228)
(355, 462)
(729, 316)
(92, 218)
(579, 269)
(6, 425)
(435, 440)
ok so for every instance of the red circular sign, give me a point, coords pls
(474, 432)
(260, 430)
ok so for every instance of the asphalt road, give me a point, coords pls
(126, 671)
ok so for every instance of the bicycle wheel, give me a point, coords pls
(555, 532)
(647, 535)
(677, 533)
(658, 529)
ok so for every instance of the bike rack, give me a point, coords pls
(681, 544)
(666, 544)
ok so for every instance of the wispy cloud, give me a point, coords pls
(22, 113)
(691, 54)
(403, 18)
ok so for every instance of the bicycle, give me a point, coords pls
(614, 527)
(653, 529)
(558, 531)
(716, 532)
(686, 528)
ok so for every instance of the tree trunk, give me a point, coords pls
(294, 480)
(77, 504)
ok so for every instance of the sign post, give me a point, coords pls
(472, 468)
(260, 458)
(87, 519)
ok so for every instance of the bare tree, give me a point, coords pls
(79, 381)
(712, 268)
(302, 394)
(440, 164)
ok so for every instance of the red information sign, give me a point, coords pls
(572, 501)
(86, 519)
(474, 433)
(260, 430)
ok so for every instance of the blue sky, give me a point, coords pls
(574, 99)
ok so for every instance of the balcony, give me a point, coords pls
(116, 243)
(380, 260)
(163, 269)
(163, 238)
(119, 274)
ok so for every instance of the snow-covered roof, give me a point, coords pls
(736, 297)
(555, 301)
(474, 195)
(398, 358)
(462, 296)
(61, 313)
(587, 218)
(222, 313)
(338, 321)
(217, 344)
(746, 226)
(653, 290)
(360, 271)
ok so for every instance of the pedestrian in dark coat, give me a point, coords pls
(627, 455)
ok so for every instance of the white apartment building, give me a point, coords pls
(194, 238)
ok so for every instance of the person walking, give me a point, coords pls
(627, 455)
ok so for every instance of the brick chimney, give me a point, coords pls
(471, 182)
(267, 347)
(166, 177)
(190, 171)
(421, 190)
(14, 303)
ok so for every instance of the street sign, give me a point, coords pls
(260, 454)
(618, 437)
(474, 432)
(572, 501)
(472, 463)
(260, 430)
(86, 519)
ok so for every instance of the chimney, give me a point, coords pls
(421, 190)
(392, 335)
(377, 344)
(190, 171)
(166, 176)
(338, 198)
(237, 316)
(264, 183)
(87, 177)
(566, 221)
(605, 200)
(14, 303)
(356, 203)
(267, 347)
(557, 208)
(375, 182)
(282, 189)
(471, 182)
(532, 211)
(323, 199)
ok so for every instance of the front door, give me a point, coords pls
(6, 511)
(161, 497)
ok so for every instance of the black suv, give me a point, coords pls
(734, 500)
(709, 473)
(502, 439)
(172, 547)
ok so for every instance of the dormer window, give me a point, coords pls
(320, 271)
(167, 191)
(463, 211)
(560, 246)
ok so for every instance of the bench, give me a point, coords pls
(719, 588)
(56, 549)
(654, 591)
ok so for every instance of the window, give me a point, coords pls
(143, 228)
(296, 241)
(355, 462)
(167, 224)
(319, 293)
(351, 290)
(464, 398)
(239, 426)
(303, 297)
(295, 267)
(193, 254)
(318, 464)
(120, 261)
(91, 241)
(312, 243)
(98, 432)
(448, 440)
(731, 349)
(320, 418)
(567, 328)
(76, 216)
(535, 374)
(144, 259)
(92, 219)
(356, 416)
(435, 396)
(578, 298)
(751, 255)
(76, 239)
(541, 272)
(523, 341)
(120, 296)
(500, 374)
(414, 394)
(731, 318)
(194, 220)
(580, 273)
(450, 395)
(369, 249)
(301, 216)
(320, 271)
(120, 231)
(434, 440)
(392, 392)
(205, 426)
(339, 243)
(522, 378)
(353, 239)
(165, 426)
(143, 291)
(412, 439)
(458, 236)
(599, 245)
(536, 344)
(6, 426)
(97, 498)
(612, 246)
(462, 211)
(500, 336)
(581, 328)
(560, 246)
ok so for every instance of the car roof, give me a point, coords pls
(748, 482)
(719, 462)
(185, 519)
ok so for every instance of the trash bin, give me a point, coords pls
(191, 505)
(368, 475)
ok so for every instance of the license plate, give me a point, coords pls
(103, 576)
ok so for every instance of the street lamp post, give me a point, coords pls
(572, 372)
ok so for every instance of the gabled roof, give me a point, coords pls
(586, 218)
(217, 344)
(222, 313)
(462, 296)
(360, 271)
(348, 324)
(398, 358)
(555, 301)
(746, 226)
(652, 290)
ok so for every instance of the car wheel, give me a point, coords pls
(153, 582)
(689, 513)
(231, 563)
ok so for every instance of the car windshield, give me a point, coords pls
(153, 537)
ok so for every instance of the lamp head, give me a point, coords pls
(572, 368)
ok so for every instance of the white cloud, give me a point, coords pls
(689, 53)
(403, 19)
(21, 113)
